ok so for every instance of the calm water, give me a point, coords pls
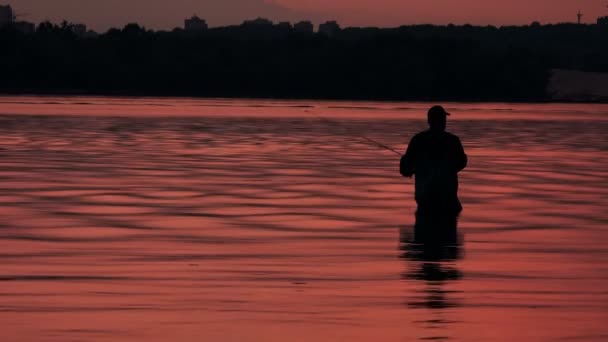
(237, 220)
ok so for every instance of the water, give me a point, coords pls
(240, 220)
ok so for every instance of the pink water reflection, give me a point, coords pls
(223, 220)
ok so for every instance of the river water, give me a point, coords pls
(242, 220)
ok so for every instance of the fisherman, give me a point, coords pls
(435, 157)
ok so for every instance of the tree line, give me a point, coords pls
(423, 62)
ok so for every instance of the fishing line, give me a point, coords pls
(368, 139)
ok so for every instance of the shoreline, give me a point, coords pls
(74, 93)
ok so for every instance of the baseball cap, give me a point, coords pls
(437, 111)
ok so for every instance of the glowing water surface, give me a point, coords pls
(239, 220)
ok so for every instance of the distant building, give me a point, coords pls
(602, 21)
(258, 22)
(285, 25)
(79, 30)
(24, 27)
(7, 16)
(573, 85)
(304, 27)
(330, 28)
(195, 24)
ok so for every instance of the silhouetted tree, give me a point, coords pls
(410, 62)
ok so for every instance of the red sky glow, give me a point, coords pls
(167, 14)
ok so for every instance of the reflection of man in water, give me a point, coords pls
(431, 254)
(435, 157)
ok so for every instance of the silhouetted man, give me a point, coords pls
(435, 157)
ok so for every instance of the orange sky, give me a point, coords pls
(101, 14)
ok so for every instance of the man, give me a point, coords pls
(435, 157)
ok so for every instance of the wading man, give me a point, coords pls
(434, 157)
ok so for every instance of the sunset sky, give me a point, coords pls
(166, 14)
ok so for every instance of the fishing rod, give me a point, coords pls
(368, 139)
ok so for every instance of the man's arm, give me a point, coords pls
(408, 161)
(461, 157)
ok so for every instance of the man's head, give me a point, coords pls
(437, 117)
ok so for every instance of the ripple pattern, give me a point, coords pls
(292, 228)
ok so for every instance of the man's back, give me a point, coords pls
(435, 157)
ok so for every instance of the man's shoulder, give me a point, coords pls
(431, 134)
(452, 136)
(421, 135)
